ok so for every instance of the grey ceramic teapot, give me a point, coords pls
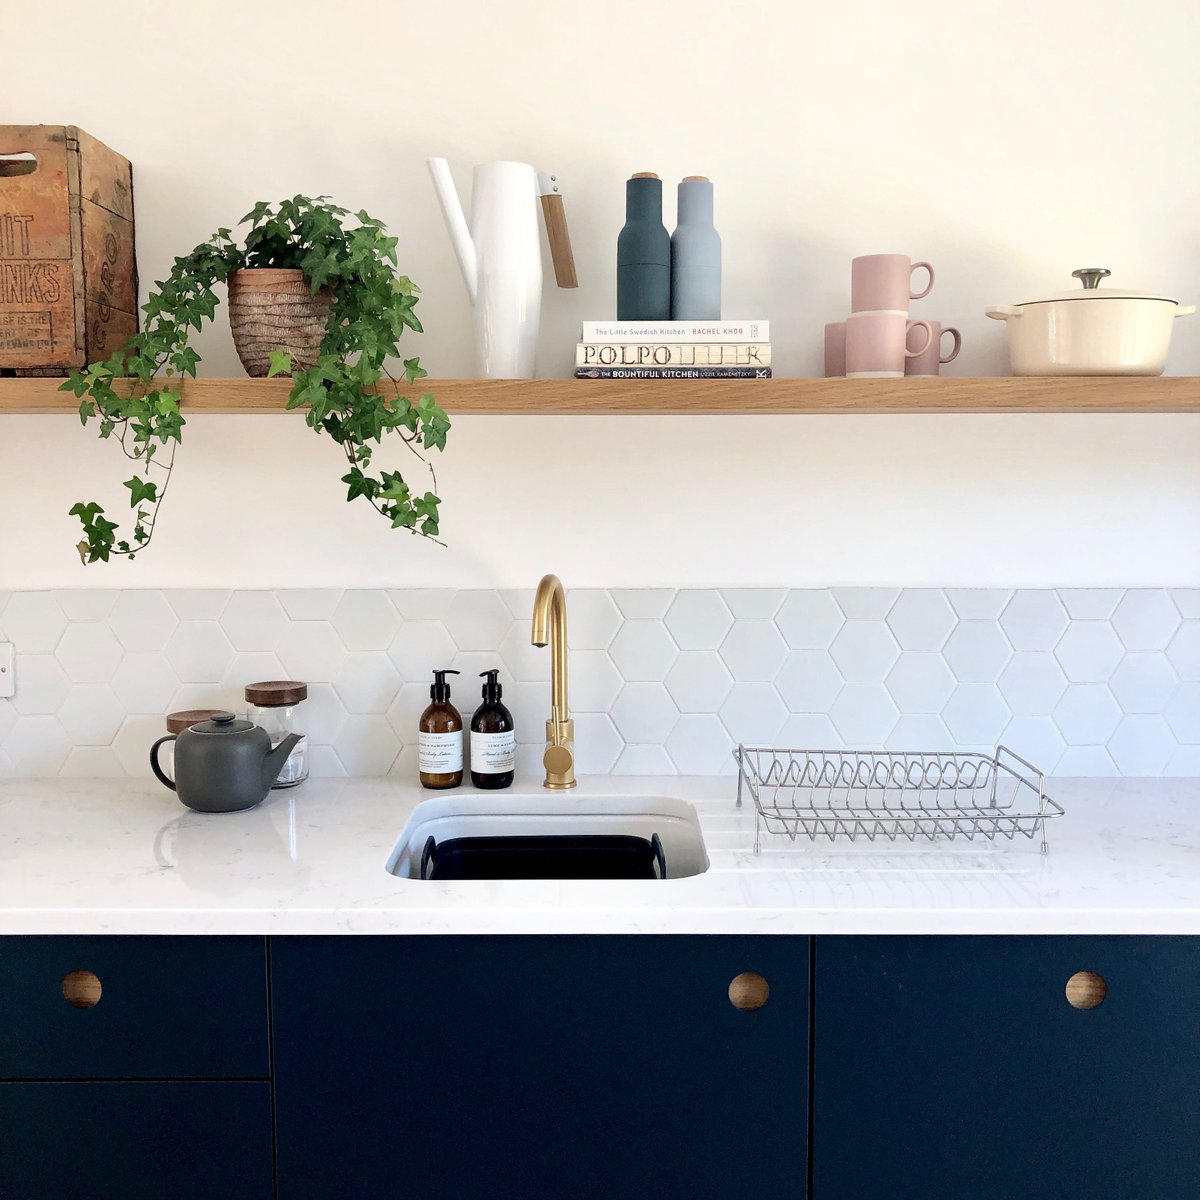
(223, 765)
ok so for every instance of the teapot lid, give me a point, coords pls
(223, 722)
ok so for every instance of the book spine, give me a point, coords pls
(673, 373)
(673, 354)
(676, 331)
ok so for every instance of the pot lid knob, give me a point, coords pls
(1090, 276)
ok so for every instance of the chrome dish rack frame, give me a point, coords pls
(893, 795)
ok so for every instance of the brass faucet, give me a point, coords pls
(550, 625)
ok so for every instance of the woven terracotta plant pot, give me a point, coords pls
(274, 309)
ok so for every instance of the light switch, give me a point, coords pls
(8, 678)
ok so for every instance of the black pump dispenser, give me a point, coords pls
(493, 738)
(439, 690)
(492, 691)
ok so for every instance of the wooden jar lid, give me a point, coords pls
(177, 722)
(695, 179)
(643, 175)
(276, 693)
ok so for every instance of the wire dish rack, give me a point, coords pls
(897, 796)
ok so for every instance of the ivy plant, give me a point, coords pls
(349, 392)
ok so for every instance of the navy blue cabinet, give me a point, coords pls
(511, 1067)
(954, 1067)
(135, 1141)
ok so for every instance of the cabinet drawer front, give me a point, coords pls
(132, 1007)
(136, 1141)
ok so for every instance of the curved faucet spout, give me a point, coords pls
(550, 627)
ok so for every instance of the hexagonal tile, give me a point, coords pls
(920, 682)
(37, 747)
(92, 762)
(809, 731)
(471, 664)
(753, 651)
(643, 604)
(753, 713)
(976, 715)
(978, 604)
(1146, 619)
(1144, 682)
(864, 715)
(809, 619)
(323, 763)
(366, 683)
(1087, 714)
(864, 651)
(8, 718)
(1187, 600)
(977, 651)
(753, 604)
(258, 667)
(1032, 683)
(33, 622)
(1184, 650)
(921, 619)
(253, 621)
(133, 741)
(525, 661)
(519, 602)
(208, 695)
(644, 713)
(699, 744)
(420, 648)
(529, 704)
(1034, 620)
(921, 733)
(199, 652)
(197, 604)
(592, 619)
(365, 619)
(1183, 713)
(88, 652)
(311, 652)
(808, 681)
(1085, 762)
(142, 621)
(644, 760)
(366, 746)
(597, 744)
(698, 620)
(1089, 652)
(865, 603)
(643, 651)
(1090, 604)
(477, 620)
(309, 604)
(86, 604)
(698, 682)
(325, 714)
(404, 712)
(421, 604)
(1142, 745)
(1185, 762)
(41, 685)
(593, 682)
(91, 714)
(1035, 739)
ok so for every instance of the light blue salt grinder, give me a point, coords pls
(695, 255)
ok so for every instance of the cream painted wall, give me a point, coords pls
(1008, 142)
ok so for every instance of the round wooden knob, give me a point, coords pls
(81, 989)
(644, 175)
(748, 991)
(1086, 989)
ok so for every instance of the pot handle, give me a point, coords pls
(1185, 310)
(1001, 312)
(158, 771)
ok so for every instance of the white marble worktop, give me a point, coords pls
(122, 856)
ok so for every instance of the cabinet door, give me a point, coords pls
(512, 1067)
(135, 1141)
(955, 1067)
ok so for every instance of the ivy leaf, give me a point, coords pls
(141, 491)
(281, 363)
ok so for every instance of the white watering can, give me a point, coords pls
(500, 255)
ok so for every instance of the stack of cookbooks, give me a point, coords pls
(674, 350)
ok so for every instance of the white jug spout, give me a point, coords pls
(456, 223)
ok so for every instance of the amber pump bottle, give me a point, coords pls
(440, 738)
(493, 738)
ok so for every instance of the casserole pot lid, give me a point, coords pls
(1090, 278)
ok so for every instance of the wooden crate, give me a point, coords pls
(68, 276)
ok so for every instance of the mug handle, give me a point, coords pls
(957, 345)
(928, 287)
(925, 345)
(158, 771)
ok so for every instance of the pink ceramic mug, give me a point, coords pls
(884, 281)
(835, 349)
(930, 360)
(876, 343)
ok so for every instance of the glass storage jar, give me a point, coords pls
(177, 722)
(278, 705)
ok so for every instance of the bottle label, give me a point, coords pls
(440, 753)
(493, 753)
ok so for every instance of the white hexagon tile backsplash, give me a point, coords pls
(1095, 681)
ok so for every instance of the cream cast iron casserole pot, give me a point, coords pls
(1095, 331)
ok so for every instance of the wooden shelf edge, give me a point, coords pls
(574, 397)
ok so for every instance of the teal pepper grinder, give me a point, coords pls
(695, 255)
(643, 253)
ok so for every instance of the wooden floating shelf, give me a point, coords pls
(575, 397)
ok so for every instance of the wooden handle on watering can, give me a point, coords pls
(557, 233)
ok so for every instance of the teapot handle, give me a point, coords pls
(158, 771)
(557, 233)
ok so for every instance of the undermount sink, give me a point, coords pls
(504, 814)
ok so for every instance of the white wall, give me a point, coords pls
(1009, 143)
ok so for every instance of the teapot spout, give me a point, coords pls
(456, 223)
(273, 763)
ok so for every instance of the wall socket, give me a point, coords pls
(8, 674)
